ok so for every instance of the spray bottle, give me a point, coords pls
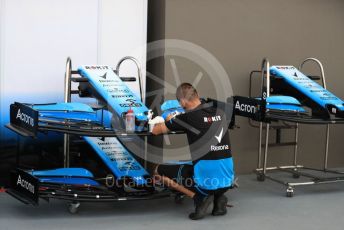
(130, 121)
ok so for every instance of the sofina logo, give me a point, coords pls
(285, 67)
(25, 118)
(25, 184)
(96, 67)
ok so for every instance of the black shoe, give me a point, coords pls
(220, 206)
(202, 205)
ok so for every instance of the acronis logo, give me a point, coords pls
(26, 185)
(245, 108)
(25, 118)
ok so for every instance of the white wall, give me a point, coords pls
(36, 37)
(123, 32)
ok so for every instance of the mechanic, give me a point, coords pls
(211, 171)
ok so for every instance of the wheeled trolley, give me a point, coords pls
(287, 99)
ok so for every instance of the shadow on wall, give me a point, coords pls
(240, 33)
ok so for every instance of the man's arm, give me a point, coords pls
(161, 128)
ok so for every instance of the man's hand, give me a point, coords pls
(169, 117)
(159, 128)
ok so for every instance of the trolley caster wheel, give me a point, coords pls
(261, 177)
(296, 176)
(73, 207)
(290, 192)
(179, 198)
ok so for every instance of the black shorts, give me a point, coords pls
(182, 174)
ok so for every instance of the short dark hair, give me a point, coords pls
(186, 91)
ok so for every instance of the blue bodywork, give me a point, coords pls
(115, 92)
(171, 107)
(73, 176)
(284, 103)
(72, 111)
(118, 159)
(110, 150)
(308, 87)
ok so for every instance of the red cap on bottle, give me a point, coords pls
(130, 110)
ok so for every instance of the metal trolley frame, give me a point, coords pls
(68, 93)
(76, 194)
(294, 169)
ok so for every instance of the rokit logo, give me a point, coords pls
(26, 185)
(25, 118)
(245, 108)
(211, 119)
(131, 103)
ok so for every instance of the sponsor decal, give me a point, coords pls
(116, 90)
(116, 153)
(129, 166)
(113, 81)
(301, 79)
(25, 118)
(285, 67)
(211, 119)
(245, 108)
(309, 86)
(138, 178)
(130, 103)
(96, 67)
(328, 98)
(26, 185)
(219, 137)
(215, 148)
(107, 148)
(107, 85)
(317, 90)
(104, 75)
(122, 96)
(327, 94)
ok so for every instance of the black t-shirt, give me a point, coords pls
(207, 131)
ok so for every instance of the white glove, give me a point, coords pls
(156, 120)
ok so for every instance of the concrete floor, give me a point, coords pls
(257, 205)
